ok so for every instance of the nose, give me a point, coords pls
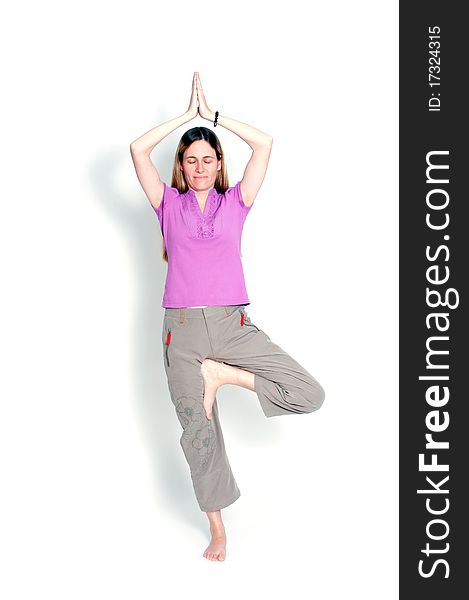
(199, 168)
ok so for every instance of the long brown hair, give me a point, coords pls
(179, 181)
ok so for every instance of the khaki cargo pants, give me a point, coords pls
(225, 334)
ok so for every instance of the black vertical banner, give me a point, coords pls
(434, 267)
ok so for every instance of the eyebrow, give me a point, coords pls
(208, 156)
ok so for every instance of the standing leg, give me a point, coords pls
(186, 344)
(201, 439)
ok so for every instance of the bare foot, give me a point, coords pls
(214, 374)
(216, 550)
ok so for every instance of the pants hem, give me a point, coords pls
(268, 408)
(224, 505)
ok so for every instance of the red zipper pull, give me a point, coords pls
(168, 337)
(242, 318)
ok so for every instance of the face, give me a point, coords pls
(200, 165)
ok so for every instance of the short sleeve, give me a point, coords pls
(169, 194)
(234, 194)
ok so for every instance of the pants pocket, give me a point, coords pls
(245, 320)
(167, 343)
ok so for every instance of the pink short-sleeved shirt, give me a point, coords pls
(204, 250)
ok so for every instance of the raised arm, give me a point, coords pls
(141, 148)
(260, 142)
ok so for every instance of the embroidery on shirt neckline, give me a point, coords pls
(204, 222)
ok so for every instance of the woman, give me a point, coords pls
(208, 338)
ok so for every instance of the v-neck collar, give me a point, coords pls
(193, 197)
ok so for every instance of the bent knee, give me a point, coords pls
(315, 397)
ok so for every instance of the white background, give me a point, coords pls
(97, 500)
